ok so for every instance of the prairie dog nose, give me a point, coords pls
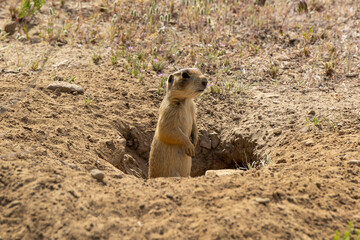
(204, 82)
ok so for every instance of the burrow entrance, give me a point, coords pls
(231, 149)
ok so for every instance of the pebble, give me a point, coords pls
(354, 162)
(312, 112)
(152, 90)
(97, 174)
(205, 142)
(66, 87)
(309, 143)
(281, 161)
(277, 132)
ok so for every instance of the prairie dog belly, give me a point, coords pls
(171, 159)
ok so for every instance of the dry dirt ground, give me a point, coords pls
(283, 108)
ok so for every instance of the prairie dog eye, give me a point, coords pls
(185, 75)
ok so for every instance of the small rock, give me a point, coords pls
(97, 174)
(262, 200)
(66, 87)
(354, 162)
(205, 142)
(10, 28)
(222, 172)
(214, 140)
(312, 112)
(170, 196)
(309, 142)
(64, 63)
(277, 132)
(152, 90)
(281, 161)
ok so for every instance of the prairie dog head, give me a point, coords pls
(186, 83)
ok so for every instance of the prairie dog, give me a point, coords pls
(172, 149)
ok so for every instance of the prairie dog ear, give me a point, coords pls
(170, 80)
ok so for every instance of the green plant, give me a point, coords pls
(162, 84)
(273, 71)
(88, 100)
(302, 7)
(331, 124)
(70, 80)
(350, 233)
(329, 68)
(317, 121)
(28, 8)
(157, 65)
(308, 35)
(306, 52)
(141, 79)
(34, 65)
(96, 58)
(114, 58)
(268, 160)
(214, 89)
(251, 165)
(3, 35)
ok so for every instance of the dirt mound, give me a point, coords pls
(281, 110)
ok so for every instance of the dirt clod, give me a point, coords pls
(10, 28)
(305, 177)
(97, 174)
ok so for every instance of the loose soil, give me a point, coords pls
(292, 144)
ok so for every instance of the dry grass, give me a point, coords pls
(238, 43)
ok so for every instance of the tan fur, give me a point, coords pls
(172, 149)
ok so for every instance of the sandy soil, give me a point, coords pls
(294, 146)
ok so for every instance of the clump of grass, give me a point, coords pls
(308, 35)
(329, 68)
(318, 121)
(302, 7)
(214, 88)
(268, 160)
(96, 58)
(88, 100)
(349, 234)
(157, 65)
(34, 65)
(306, 52)
(273, 71)
(162, 84)
(27, 8)
(114, 58)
